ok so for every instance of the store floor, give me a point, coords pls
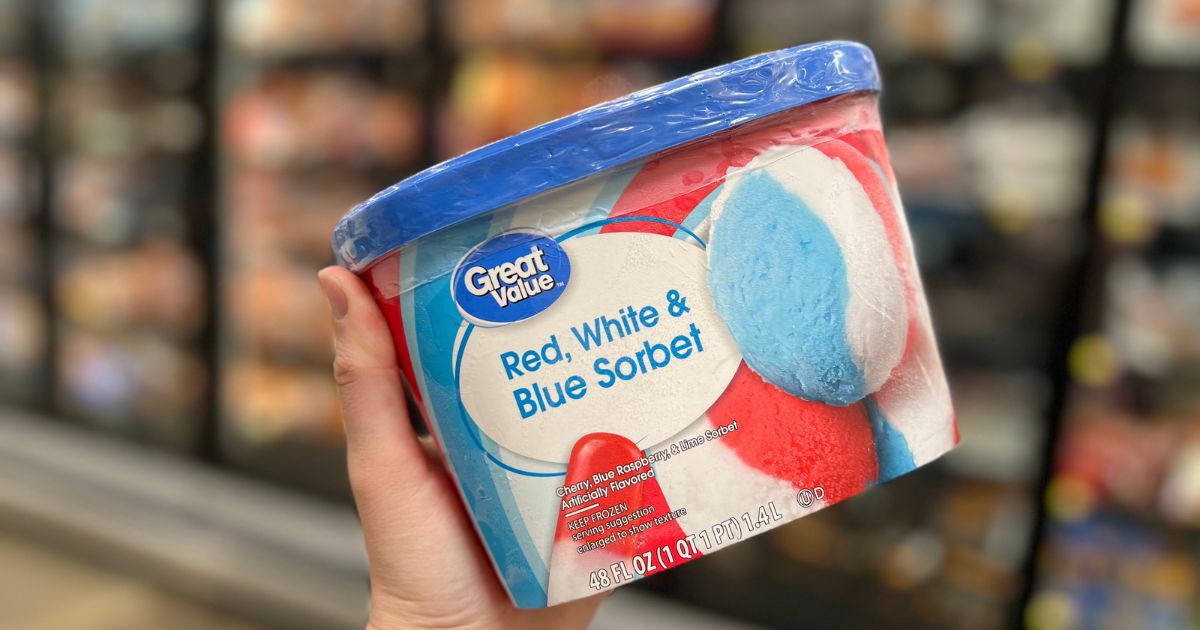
(44, 589)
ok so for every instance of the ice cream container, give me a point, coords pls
(664, 324)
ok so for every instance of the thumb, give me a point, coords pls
(381, 445)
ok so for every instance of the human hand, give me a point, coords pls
(428, 568)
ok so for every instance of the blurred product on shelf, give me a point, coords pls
(293, 119)
(676, 28)
(118, 115)
(19, 250)
(661, 28)
(1037, 36)
(552, 25)
(1179, 500)
(277, 310)
(298, 27)
(1153, 318)
(1033, 37)
(90, 30)
(155, 286)
(955, 30)
(18, 100)
(495, 94)
(933, 163)
(1152, 208)
(1112, 571)
(999, 415)
(129, 283)
(1027, 163)
(132, 382)
(1019, 161)
(267, 402)
(271, 215)
(22, 338)
(762, 25)
(1153, 180)
(1166, 31)
(1110, 457)
(1125, 504)
(118, 202)
(1024, 32)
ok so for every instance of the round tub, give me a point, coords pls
(663, 324)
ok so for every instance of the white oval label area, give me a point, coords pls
(633, 346)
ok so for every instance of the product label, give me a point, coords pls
(510, 277)
(670, 368)
(634, 347)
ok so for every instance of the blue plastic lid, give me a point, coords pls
(599, 138)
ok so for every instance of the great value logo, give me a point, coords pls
(510, 277)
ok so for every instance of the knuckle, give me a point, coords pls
(345, 371)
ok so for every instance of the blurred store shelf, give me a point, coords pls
(169, 176)
(124, 140)
(1122, 500)
(319, 107)
(23, 327)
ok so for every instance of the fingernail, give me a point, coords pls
(336, 296)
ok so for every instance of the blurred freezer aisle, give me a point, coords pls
(290, 111)
(124, 142)
(988, 109)
(320, 105)
(1120, 548)
(513, 64)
